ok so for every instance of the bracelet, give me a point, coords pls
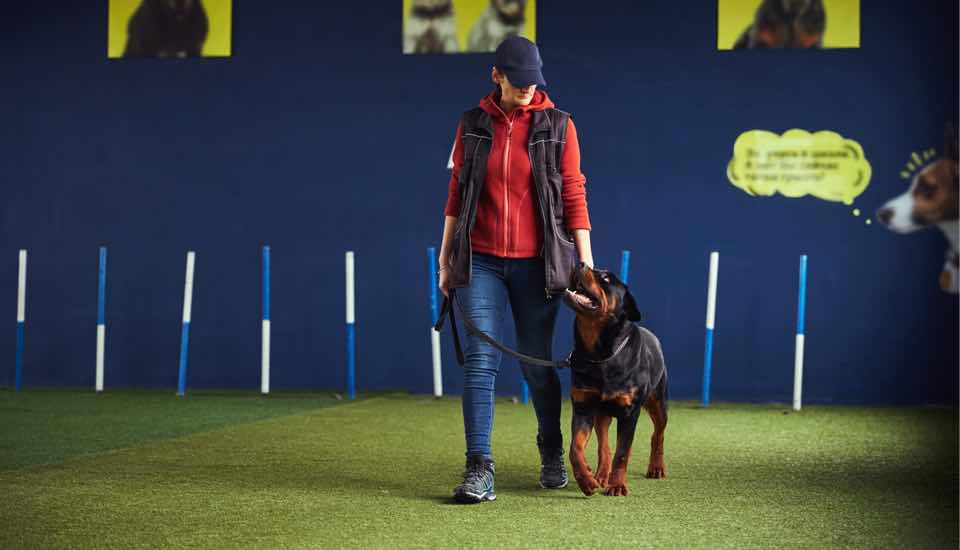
(441, 269)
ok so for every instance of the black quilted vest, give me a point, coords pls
(545, 149)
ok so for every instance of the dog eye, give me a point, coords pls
(926, 190)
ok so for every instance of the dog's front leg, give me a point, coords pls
(582, 426)
(626, 426)
(604, 458)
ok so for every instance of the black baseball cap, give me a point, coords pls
(519, 59)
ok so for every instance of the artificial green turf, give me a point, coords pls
(44, 426)
(379, 472)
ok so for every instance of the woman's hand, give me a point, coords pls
(444, 278)
(582, 239)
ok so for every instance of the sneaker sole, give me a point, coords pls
(473, 498)
(565, 483)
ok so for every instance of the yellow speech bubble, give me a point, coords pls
(823, 164)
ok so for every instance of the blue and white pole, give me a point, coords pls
(711, 317)
(351, 333)
(185, 332)
(798, 352)
(434, 313)
(624, 265)
(101, 318)
(21, 318)
(265, 326)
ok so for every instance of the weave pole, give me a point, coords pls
(185, 331)
(801, 318)
(624, 266)
(21, 318)
(101, 318)
(351, 332)
(434, 313)
(711, 317)
(265, 326)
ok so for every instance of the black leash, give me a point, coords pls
(448, 309)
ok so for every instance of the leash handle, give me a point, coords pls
(449, 305)
(447, 309)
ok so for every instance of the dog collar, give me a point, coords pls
(618, 349)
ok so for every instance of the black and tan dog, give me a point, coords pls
(167, 28)
(785, 24)
(617, 370)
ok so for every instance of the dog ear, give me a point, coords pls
(630, 306)
(950, 143)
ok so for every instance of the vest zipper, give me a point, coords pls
(506, 189)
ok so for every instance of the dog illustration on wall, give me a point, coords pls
(502, 19)
(931, 201)
(167, 28)
(785, 24)
(430, 28)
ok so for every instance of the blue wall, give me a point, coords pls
(318, 136)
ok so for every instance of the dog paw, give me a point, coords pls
(603, 476)
(617, 490)
(588, 484)
(657, 470)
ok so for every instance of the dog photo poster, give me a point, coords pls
(169, 28)
(795, 24)
(465, 26)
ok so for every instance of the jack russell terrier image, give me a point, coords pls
(931, 201)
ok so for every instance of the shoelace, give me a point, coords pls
(553, 464)
(476, 474)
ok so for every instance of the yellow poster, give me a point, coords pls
(465, 26)
(169, 28)
(779, 24)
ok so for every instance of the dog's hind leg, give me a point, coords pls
(604, 458)
(626, 426)
(656, 407)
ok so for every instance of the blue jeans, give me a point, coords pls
(494, 282)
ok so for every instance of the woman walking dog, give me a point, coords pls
(516, 196)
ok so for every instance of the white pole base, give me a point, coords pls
(101, 346)
(798, 373)
(435, 347)
(265, 358)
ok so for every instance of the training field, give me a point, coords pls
(143, 469)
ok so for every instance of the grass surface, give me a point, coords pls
(231, 471)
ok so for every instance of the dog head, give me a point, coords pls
(789, 24)
(432, 9)
(510, 12)
(599, 296)
(179, 9)
(932, 197)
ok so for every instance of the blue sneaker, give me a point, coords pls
(477, 483)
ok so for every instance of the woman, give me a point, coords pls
(515, 197)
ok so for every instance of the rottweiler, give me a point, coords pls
(785, 24)
(167, 28)
(617, 369)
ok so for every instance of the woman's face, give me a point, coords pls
(511, 95)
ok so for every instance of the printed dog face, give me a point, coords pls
(931, 199)
(510, 12)
(786, 24)
(179, 8)
(598, 295)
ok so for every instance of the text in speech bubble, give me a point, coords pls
(823, 164)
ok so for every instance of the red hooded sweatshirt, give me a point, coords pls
(508, 215)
